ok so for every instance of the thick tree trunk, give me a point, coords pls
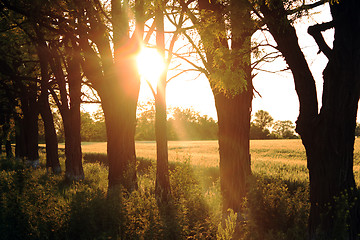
(29, 107)
(119, 100)
(234, 134)
(233, 105)
(52, 152)
(328, 137)
(72, 121)
(120, 115)
(5, 130)
(52, 155)
(73, 163)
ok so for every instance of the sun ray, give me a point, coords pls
(150, 65)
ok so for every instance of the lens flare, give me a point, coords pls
(150, 65)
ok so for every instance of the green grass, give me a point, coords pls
(284, 159)
(37, 205)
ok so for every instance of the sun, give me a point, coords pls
(150, 65)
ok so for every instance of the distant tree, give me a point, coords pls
(256, 132)
(92, 128)
(357, 130)
(187, 124)
(259, 127)
(145, 122)
(183, 124)
(284, 129)
(263, 119)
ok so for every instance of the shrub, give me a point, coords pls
(275, 212)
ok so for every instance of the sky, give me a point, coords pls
(277, 90)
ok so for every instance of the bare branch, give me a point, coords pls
(315, 32)
(305, 7)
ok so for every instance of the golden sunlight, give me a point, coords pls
(150, 65)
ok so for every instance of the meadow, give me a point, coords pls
(37, 205)
(279, 158)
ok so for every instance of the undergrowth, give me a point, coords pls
(37, 205)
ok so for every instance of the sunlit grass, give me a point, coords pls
(46, 207)
(284, 159)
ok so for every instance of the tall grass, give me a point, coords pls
(38, 205)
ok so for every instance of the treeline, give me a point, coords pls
(183, 124)
(264, 127)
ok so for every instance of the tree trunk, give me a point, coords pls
(328, 137)
(115, 77)
(52, 152)
(233, 105)
(52, 155)
(20, 151)
(29, 107)
(234, 134)
(8, 149)
(120, 120)
(162, 184)
(72, 121)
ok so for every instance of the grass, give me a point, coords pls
(284, 159)
(38, 205)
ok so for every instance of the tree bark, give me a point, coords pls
(30, 113)
(20, 151)
(116, 79)
(234, 134)
(72, 121)
(233, 107)
(52, 152)
(162, 184)
(328, 136)
(69, 106)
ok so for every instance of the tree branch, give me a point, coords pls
(305, 7)
(315, 32)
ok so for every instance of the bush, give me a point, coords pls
(36, 205)
(275, 212)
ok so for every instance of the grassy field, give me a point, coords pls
(39, 205)
(284, 159)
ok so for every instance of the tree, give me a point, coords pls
(92, 129)
(112, 72)
(256, 132)
(18, 70)
(328, 135)
(228, 68)
(145, 124)
(263, 119)
(284, 129)
(162, 183)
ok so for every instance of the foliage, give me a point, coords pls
(263, 119)
(256, 132)
(285, 129)
(277, 212)
(36, 205)
(92, 130)
(260, 127)
(184, 124)
(230, 225)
